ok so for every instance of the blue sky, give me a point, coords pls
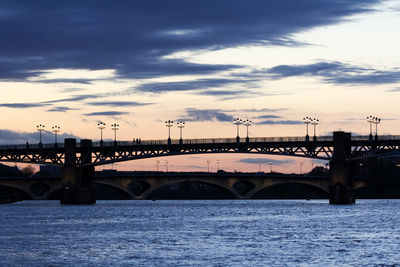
(139, 63)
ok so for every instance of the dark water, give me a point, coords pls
(201, 233)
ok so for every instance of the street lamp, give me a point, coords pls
(169, 124)
(314, 122)
(101, 125)
(40, 129)
(237, 122)
(115, 128)
(218, 161)
(157, 162)
(181, 125)
(376, 121)
(247, 123)
(270, 166)
(370, 120)
(301, 167)
(208, 166)
(55, 129)
(307, 121)
(166, 166)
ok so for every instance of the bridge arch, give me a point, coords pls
(257, 192)
(115, 191)
(13, 193)
(225, 189)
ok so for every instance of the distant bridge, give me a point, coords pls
(78, 159)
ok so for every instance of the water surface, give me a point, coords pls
(201, 232)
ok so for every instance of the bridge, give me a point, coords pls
(178, 185)
(79, 159)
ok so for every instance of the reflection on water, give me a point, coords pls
(200, 232)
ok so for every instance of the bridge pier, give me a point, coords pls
(78, 184)
(341, 185)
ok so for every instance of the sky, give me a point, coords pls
(139, 63)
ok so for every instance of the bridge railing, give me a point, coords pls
(198, 141)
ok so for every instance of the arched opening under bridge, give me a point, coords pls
(291, 190)
(190, 190)
(10, 194)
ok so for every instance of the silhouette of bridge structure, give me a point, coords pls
(79, 159)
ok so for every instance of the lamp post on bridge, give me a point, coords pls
(237, 122)
(181, 125)
(169, 124)
(314, 122)
(166, 166)
(218, 161)
(55, 129)
(157, 162)
(376, 121)
(208, 166)
(40, 129)
(101, 125)
(270, 167)
(370, 120)
(307, 121)
(115, 128)
(247, 123)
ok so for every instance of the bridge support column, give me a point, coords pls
(78, 181)
(341, 186)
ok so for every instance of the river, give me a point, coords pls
(201, 233)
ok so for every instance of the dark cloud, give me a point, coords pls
(81, 81)
(283, 122)
(334, 72)
(264, 110)
(60, 109)
(133, 37)
(74, 98)
(22, 105)
(117, 103)
(107, 113)
(201, 84)
(14, 137)
(266, 161)
(269, 116)
(206, 115)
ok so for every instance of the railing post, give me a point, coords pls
(341, 185)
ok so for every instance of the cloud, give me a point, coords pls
(397, 89)
(282, 122)
(117, 103)
(334, 72)
(266, 161)
(206, 115)
(200, 84)
(269, 116)
(264, 110)
(60, 109)
(107, 113)
(134, 37)
(14, 137)
(22, 105)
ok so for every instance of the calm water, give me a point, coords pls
(201, 233)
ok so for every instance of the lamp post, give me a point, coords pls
(237, 122)
(307, 121)
(55, 129)
(370, 120)
(169, 124)
(208, 166)
(40, 129)
(166, 166)
(376, 121)
(157, 162)
(314, 122)
(247, 123)
(181, 125)
(259, 166)
(115, 128)
(270, 166)
(218, 161)
(101, 125)
(301, 167)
